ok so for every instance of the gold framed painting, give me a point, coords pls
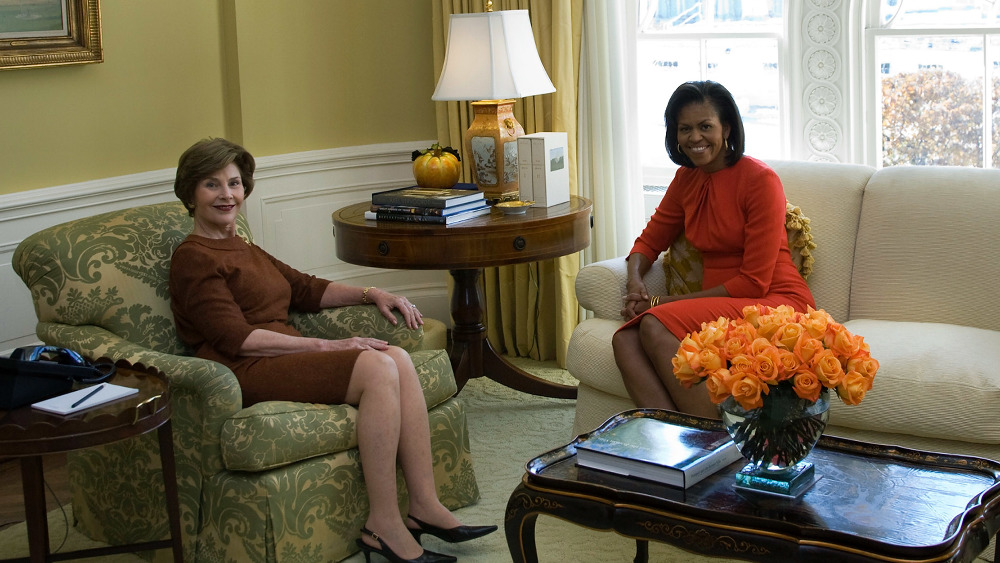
(36, 33)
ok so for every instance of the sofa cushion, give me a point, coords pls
(590, 358)
(935, 380)
(926, 247)
(275, 433)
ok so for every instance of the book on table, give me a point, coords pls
(655, 450)
(417, 210)
(448, 219)
(416, 196)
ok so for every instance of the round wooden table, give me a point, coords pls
(30, 433)
(465, 249)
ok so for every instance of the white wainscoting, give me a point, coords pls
(289, 213)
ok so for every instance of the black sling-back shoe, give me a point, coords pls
(385, 551)
(451, 535)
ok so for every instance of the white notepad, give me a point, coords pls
(63, 404)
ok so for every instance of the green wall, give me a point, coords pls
(280, 77)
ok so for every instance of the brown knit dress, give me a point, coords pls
(221, 290)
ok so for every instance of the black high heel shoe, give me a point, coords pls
(386, 551)
(451, 535)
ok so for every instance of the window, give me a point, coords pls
(938, 82)
(734, 42)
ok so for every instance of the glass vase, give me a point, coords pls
(776, 438)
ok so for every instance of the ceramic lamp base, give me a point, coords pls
(491, 141)
(790, 482)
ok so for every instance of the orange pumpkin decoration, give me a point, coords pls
(436, 167)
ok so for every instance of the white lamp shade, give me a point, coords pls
(491, 56)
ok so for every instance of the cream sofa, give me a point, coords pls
(907, 257)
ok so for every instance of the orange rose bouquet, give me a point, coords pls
(772, 363)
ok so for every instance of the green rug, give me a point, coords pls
(507, 429)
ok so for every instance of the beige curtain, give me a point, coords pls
(531, 309)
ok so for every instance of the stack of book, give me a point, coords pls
(656, 450)
(428, 205)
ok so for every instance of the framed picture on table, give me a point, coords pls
(37, 33)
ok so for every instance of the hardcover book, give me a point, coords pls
(543, 168)
(655, 450)
(433, 219)
(416, 210)
(415, 196)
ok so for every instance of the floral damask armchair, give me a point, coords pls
(278, 481)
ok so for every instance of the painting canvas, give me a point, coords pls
(21, 19)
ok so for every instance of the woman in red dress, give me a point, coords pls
(731, 208)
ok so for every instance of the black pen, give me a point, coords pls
(87, 396)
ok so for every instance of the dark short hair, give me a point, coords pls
(206, 157)
(729, 114)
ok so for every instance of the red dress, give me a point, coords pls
(736, 218)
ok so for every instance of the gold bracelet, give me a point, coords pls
(364, 295)
(654, 301)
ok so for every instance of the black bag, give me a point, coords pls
(34, 373)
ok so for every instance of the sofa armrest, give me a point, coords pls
(204, 394)
(357, 320)
(601, 285)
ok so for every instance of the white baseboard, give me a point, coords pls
(289, 213)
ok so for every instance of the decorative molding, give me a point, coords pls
(289, 213)
(823, 81)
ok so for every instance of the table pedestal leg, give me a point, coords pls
(473, 356)
(33, 484)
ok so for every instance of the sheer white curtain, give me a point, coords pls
(610, 173)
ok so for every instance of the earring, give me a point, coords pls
(679, 149)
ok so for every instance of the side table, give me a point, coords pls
(465, 249)
(29, 434)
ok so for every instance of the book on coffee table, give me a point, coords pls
(655, 450)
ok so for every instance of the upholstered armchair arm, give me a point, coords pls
(204, 394)
(601, 285)
(357, 320)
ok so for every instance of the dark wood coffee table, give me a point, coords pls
(30, 433)
(465, 249)
(872, 503)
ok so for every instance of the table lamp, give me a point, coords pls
(491, 57)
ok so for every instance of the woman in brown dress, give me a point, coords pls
(231, 301)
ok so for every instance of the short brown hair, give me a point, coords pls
(205, 157)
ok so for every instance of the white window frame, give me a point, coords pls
(871, 78)
(658, 176)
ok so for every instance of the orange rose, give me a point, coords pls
(767, 325)
(789, 364)
(827, 368)
(788, 335)
(767, 365)
(714, 333)
(806, 385)
(719, 385)
(747, 392)
(710, 359)
(687, 375)
(741, 364)
(841, 341)
(751, 313)
(863, 364)
(853, 388)
(807, 348)
(815, 321)
(735, 347)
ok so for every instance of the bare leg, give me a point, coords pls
(414, 446)
(661, 346)
(641, 380)
(375, 389)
